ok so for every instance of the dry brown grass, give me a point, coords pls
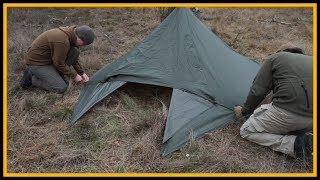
(123, 133)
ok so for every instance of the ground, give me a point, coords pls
(123, 133)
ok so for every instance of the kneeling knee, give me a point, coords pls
(244, 132)
(61, 89)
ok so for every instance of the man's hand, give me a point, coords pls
(78, 78)
(238, 112)
(85, 77)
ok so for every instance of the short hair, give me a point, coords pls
(288, 47)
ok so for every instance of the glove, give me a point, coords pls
(238, 112)
(85, 77)
(78, 78)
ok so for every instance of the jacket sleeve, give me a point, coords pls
(261, 87)
(77, 66)
(59, 55)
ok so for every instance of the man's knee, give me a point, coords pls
(61, 89)
(246, 129)
(243, 132)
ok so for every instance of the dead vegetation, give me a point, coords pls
(123, 133)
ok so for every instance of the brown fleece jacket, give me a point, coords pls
(51, 47)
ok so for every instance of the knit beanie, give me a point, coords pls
(85, 33)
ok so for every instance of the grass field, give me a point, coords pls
(123, 133)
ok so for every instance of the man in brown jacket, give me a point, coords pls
(51, 55)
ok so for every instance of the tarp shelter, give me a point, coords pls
(207, 76)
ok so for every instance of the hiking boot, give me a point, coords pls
(303, 147)
(26, 80)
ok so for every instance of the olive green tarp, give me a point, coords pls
(207, 76)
